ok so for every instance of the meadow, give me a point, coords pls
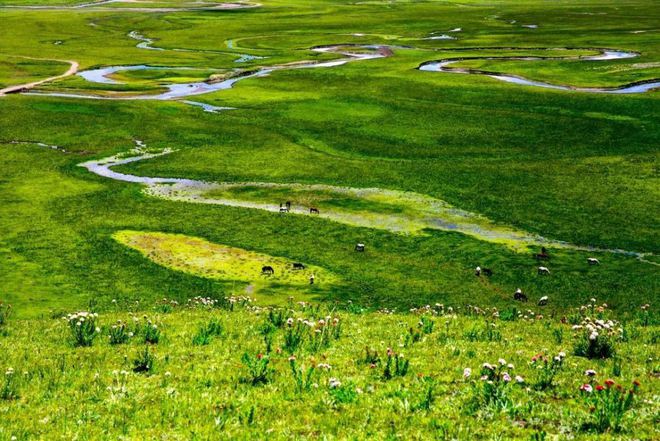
(579, 170)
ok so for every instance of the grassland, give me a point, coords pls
(201, 385)
(568, 166)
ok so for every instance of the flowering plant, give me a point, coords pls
(492, 391)
(547, 369)
(83, 327)
(596, 338)
(608, 403)
(9, 389)
(258, 368)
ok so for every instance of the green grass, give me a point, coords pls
(195, 391)
(573, 167)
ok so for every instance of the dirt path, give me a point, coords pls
(72, 70)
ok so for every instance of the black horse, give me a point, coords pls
(487, 271)
(267, 270)
(313, 210)
(298, 266)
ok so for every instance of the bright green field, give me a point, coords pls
(574, 167)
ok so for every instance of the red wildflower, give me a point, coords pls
(609, 382)
(599, 388)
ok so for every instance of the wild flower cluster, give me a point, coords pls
(202, 302)
(596, 338)
(259, 369)
(306, 378)
(9, 388)
(492, 389)
(166, 305)
(119, 333)
(608, 402)
(396, 365)
(83, 327)
(316, 333)
(547, 369)
(437, 309)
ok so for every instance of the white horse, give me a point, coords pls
(543, 270)
(593, 261)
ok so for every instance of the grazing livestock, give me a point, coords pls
(298, 266)
(543, 255)
(313, 210)
(519, 296)
(593, 261)
(359, 247)
(267, 270)
(543, 270)
(487, 272)
(288, 205)
(284, 209)
(477, 271)
(543, 301)
(311, 279)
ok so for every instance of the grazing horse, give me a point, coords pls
(267, 270)
(487, 272)
(284, 209)
(543, 270)
(543, 301)
(298, 266)
(593, 261)
(359, 247)
(313, 210)
(543, 255)
(519, 296)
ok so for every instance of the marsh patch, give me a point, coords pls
(202, 258)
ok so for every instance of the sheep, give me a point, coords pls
(543, 270)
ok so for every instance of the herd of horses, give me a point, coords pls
(286, 207)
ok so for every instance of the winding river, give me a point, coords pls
(413, 212)
(605, 55)
(349, 53)
(183, 90)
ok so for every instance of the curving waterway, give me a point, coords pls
(412, 212)
(445, 66)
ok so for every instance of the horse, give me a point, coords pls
(298, 266)
(519, 296)
(543, 301)
(487, 272)
(543, 270)
(593, 261)
(359, 247)
(267, 270)
(313, 210)
(543, 255)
